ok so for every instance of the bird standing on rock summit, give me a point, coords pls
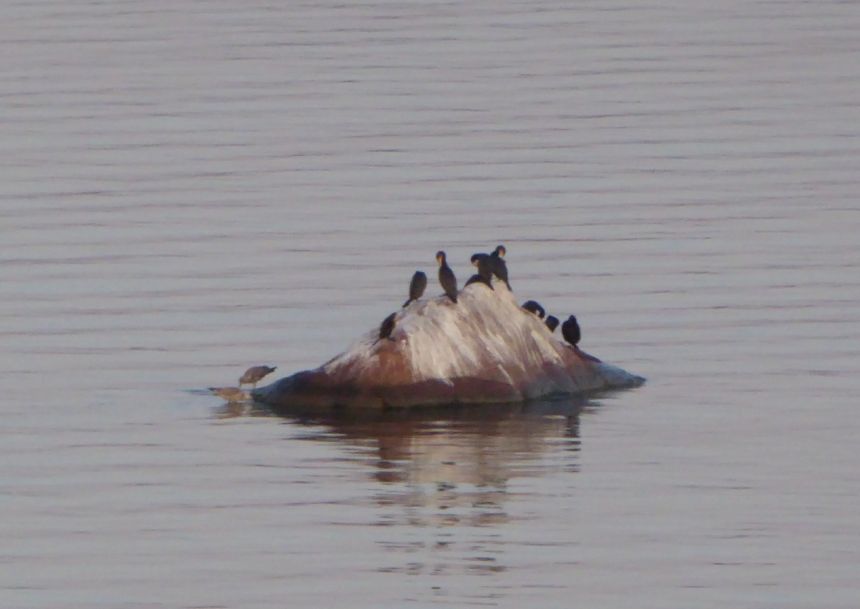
(254, 374)
(446, 276)
(416, 287)
(387, 327)
(497, 263)
(485, 269)
(570, 331)
(551, 322)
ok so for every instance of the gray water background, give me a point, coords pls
(188, 188)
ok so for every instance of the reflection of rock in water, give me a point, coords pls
(446, 473)
(474, 445)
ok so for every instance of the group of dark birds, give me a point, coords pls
(488, 266)
(569, 329)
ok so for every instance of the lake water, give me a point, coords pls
(189, 188)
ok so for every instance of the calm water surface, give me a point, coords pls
(189, 188)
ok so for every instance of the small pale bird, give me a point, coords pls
(230, 394)
(254, 374)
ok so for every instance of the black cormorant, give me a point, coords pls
(533, 306)
(387, 327)
(416, 287)
(446, 276)
(485, 269)
(475, 279)
(570, 331)
(551, 322)
(498, 266)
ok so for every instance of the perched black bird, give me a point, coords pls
(498, 266)
(476, 279)
(446, 276)
(570, 331)
(254, 374)
(551, 322)
(533, 306)
(485, 270)
(387, 327)
(416, 287)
